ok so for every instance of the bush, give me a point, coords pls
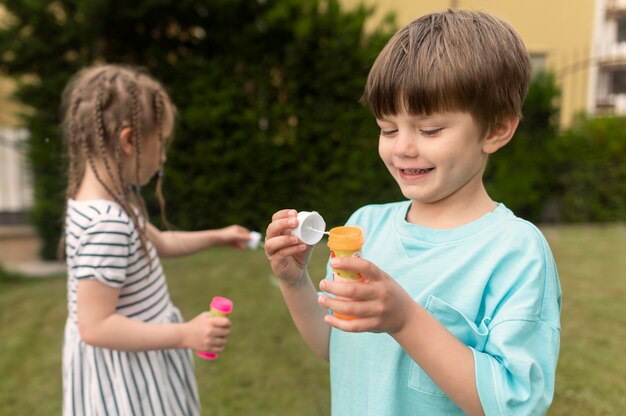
(523, 174)
(591, 157)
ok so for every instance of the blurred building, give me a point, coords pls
(18, 240)
(583, 42)
(608, 76)
(15, 178)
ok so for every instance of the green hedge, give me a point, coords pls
(268, 95)
(522, 174)
(578, 175)
(592, 161)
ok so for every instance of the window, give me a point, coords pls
(537, 61)
(618, 82)
(621, 29)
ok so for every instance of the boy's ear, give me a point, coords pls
(500, 135)
(127, 141)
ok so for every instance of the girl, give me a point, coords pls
(126, 348)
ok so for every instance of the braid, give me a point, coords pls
(74, 146)
(101, 99)
(136, 126)
(72, 173)
(158, 115)
(137, 129)
(100, 133)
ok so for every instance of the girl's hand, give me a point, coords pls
(379, 303)
(288, 256)
(234, 236)
(206, 333)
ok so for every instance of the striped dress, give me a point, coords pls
(102, 244)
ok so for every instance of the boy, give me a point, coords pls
(459, 310)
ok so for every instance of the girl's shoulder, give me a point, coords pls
(86, 214)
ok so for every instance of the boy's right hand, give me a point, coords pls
(206, 333)
(288, 256)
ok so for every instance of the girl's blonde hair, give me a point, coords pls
(456, 60)
(97, 104)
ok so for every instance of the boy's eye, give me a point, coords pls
(431, 133)
(388, 133)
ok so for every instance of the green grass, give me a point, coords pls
(268, 370)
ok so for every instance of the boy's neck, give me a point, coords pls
(451, 212)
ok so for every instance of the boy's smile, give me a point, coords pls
(437, 160)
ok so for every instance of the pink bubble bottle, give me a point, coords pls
(219, 307)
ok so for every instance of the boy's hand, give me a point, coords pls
(379, 303)
(206, 333)
(288, 256)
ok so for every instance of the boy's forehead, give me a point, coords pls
(434, 115)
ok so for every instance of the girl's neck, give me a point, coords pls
(91, 188)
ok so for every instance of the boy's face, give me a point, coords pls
(437, 158)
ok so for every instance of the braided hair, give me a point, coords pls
(97, 104)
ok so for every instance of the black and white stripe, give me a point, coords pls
(102, 243)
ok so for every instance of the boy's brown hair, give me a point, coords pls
(456, 60)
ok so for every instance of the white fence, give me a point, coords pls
(16, 194)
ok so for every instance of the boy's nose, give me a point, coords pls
(407, 145)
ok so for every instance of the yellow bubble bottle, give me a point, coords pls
(345, 241)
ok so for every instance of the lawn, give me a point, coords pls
(268, 370)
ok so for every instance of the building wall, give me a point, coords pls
(561, 30)
(16, 197)
(8, 107)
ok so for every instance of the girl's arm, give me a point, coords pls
(99, 325)
(180, 243)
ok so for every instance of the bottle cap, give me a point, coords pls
(311, 227)
(253, 242)
(346, 238)
(207, 355)
(221, 304)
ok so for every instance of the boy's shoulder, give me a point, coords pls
(510, 226)
(500, 226)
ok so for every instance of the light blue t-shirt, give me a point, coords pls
(492, 283)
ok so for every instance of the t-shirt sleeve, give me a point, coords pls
(515, 368)
(515, 375)
(103, 252)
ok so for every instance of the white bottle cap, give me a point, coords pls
(311, 227)
(253, 242)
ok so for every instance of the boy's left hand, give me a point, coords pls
(379, 303)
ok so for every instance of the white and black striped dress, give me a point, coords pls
(102, 243)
